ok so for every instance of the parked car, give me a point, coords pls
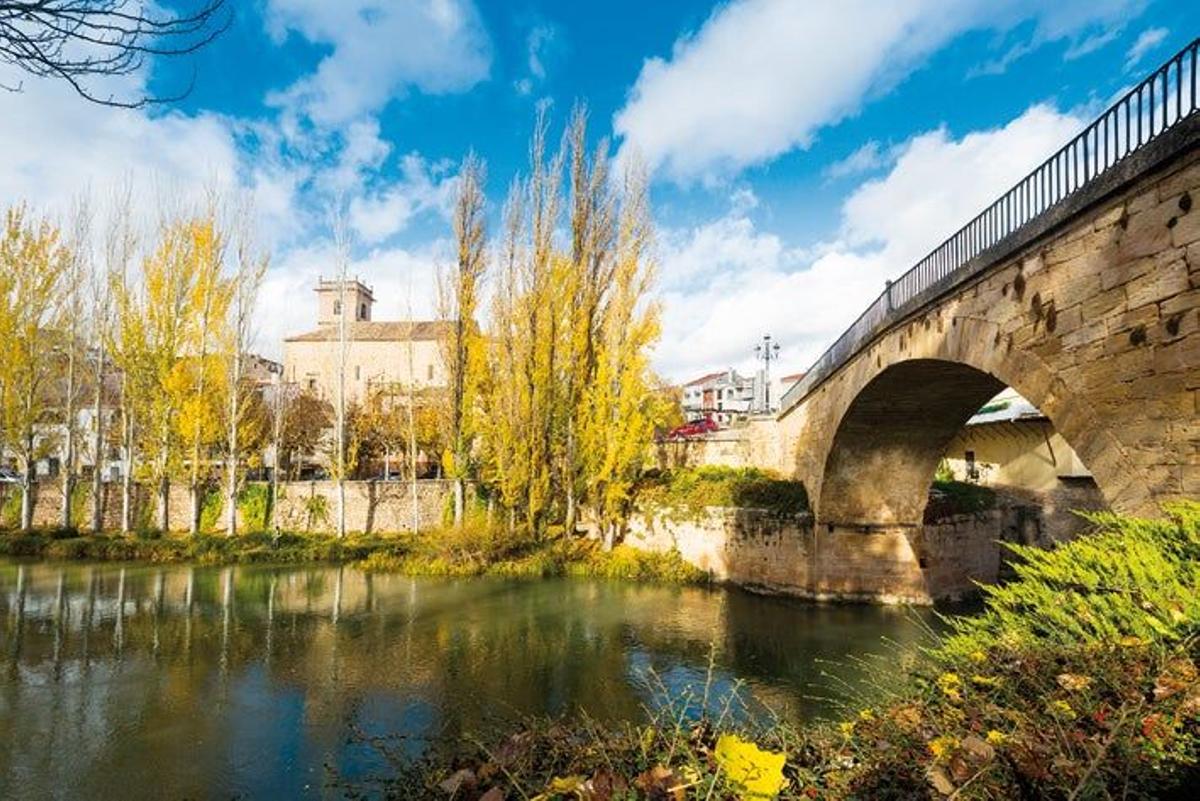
(695, 428)
(10, 476)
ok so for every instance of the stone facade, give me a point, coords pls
(765, 552)
(305, 506)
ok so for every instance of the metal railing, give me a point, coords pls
(1159, 102)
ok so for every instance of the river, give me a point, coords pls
(124, 681)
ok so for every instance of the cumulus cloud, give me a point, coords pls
(421, 187)
(761, 77)
(402, 280)
(868, 157)
(727, 282)
(379, 52)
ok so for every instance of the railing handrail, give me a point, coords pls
(1051, 182)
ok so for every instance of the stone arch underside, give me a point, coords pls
(890, 439)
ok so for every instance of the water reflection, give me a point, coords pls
(155, 681)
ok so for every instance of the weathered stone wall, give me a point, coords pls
(305, 506)
(750, 444)
(789, 555)
(1097, 323)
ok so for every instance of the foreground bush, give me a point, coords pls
(1078, 680)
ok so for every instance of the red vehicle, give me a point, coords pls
(696, 428)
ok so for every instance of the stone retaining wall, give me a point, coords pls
(305, 506)
(766, 552)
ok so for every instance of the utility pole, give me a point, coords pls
(768, 352)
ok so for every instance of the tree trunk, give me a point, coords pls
(460, 500)
(68, 467)
(98, 448)
(27, 499)
(127, 423)
(164, 503)
(232, 461)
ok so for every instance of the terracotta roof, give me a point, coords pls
(395, 331)
(707, 377)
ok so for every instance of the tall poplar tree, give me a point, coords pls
(458, 302)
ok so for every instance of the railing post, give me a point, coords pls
(887, 291)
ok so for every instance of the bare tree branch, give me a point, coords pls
(79, 40)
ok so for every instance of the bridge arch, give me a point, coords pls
(890, 415)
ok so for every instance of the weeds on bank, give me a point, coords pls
(475, 549)
(1078, 680)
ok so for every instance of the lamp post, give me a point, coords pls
(768, 352)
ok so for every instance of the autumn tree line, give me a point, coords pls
(549, 406)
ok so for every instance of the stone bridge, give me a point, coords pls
(1080, 289)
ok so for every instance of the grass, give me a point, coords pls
(1078, 680)
(474, 550)
(688, 492)
(948, 498)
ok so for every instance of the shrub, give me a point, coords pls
(688, 492)
(254, 505)
(949, 498)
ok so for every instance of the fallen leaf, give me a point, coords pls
(978, 748)
(758, 774)
(457, 780)
(1073, 682)
(940, 781)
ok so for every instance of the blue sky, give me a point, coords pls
(800, 151)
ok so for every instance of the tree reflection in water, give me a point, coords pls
(198, 681)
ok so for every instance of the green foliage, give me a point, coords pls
(81, 500)
(212, 502)
(688, 492)
(10, 508)
(316, 512)
(943, 474)
(949, 498)
(1131, 578)
(254, 505)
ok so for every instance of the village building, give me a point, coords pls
(379, 354)
(724, 397)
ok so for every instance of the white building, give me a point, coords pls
(725, 397)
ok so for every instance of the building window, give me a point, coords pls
(429, 372)
(357, 372)
(362, 311)
(312, 384)
(337, 307)
(972, 467)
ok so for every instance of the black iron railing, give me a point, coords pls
(1159, 102)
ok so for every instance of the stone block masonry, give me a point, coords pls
(789, 555)
(372, 507)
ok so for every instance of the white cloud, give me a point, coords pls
(538, 40)
(761, 77)
(1147, 40)
(421, 187)
(868, 157)
(379, 52)
(402, 279)
(727, 282)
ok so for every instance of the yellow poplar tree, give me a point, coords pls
(621, 405)
(458, 303)
(32, 261)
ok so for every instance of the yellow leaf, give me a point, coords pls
(756, 773)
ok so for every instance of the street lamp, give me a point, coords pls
(768, 351)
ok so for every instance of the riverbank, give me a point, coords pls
(1078, 680)
(475, 550)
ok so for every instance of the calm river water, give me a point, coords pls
(169, 682)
